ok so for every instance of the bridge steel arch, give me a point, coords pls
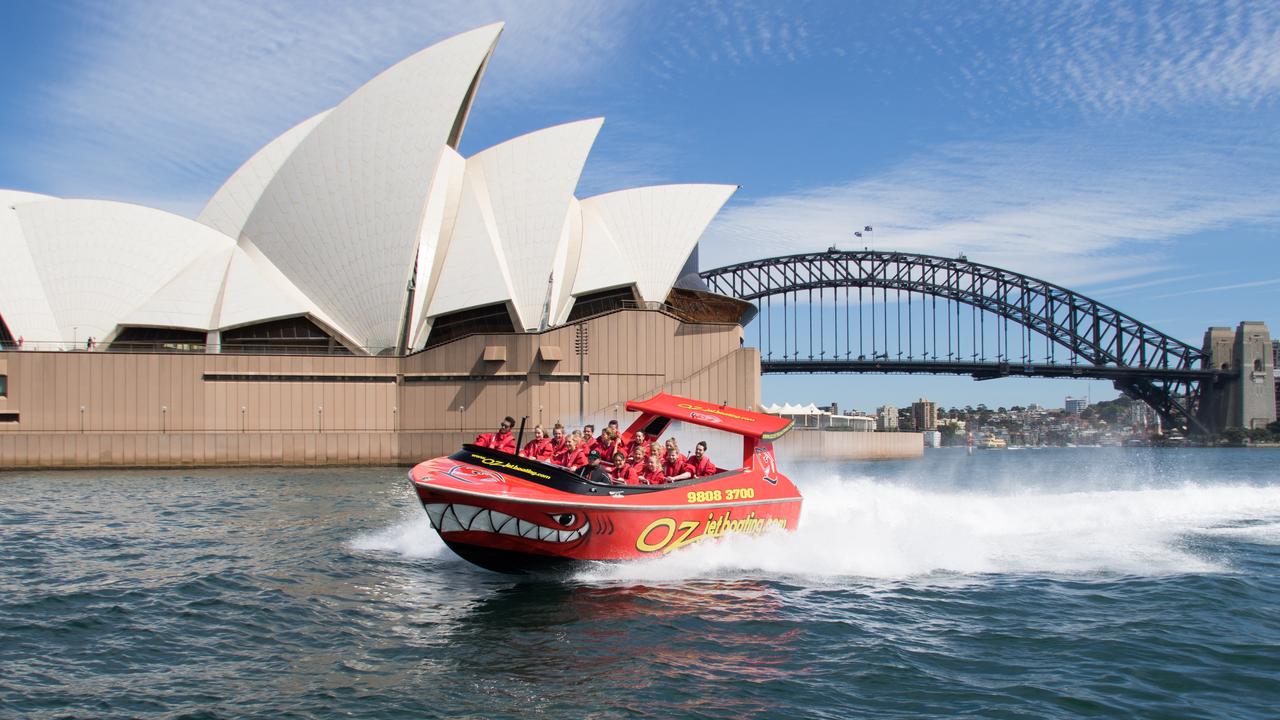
(1102, 342)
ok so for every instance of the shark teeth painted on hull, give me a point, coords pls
(446, 517)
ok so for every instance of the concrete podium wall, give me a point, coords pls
(825, 445)
(85, 409)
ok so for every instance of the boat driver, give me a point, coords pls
(592, 470)
(502, 440)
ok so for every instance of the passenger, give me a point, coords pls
(556, 446)
(609, 443)
(697, 466)
(673, 465)
(638, 458)
(702, 465)
(592, 470)
(539, 448)
(652, 474)
(575, 456)
(672, 443)
(502, 440)
(589, 437)
(639, 440)
(619, 471)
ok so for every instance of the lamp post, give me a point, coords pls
(164, 419)
(320, 417)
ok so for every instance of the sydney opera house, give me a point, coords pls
(358, 291)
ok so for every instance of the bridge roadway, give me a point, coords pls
(979, 370)
(926, 306)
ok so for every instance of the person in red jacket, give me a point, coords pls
(673, 444)
(574, 455)
(638, 458)
(673, 465)
(653, 474)
(619, 471)
(539, 448)
(699, 465)
(609, 443)
(557, 443)
(589, 438)
(502, 440)
(639, 440)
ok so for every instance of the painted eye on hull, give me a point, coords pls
(565, 519)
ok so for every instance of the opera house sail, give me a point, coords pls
(363, 232)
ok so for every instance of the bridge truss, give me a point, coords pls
(891, 312)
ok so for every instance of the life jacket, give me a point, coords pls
(673, 467)
(537, 449)
(575, 459)
(506, 442)
(484, 440)
(652, 477)
(622, 473)
(555, 450)
(702, 467)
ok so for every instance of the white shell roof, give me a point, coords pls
(343, 216)
(98, 261)
(526, 187)
(190, 299)
(437, 228)
(230, 207)
(23, 302)
(338, 217)
(652, 229)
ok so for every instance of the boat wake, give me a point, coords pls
(870, 528)
(411, 537)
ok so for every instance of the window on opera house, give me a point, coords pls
(151, 339)
(488, 319)
(296, 335)
(6, 338)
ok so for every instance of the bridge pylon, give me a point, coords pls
(1244, 395)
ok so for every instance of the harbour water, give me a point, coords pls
(1047, 583)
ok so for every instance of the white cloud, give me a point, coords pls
(1068, 211)
(163, 99)
(1137, 56)
(1224, 288)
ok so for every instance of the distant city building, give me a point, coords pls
(812, 417)
(959, 425)
(924, 414)
(932, 438)
(886, 418)
(1075, 405)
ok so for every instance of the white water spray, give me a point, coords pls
(411, 537)
(861, 527)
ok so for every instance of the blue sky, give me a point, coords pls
(1130, 151)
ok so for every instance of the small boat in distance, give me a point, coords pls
(516, 514)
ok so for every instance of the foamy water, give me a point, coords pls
(875, 529)
(864, 527)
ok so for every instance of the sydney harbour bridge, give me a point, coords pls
(871, 311)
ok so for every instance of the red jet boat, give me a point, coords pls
(515, 514)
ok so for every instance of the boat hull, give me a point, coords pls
(500, 521)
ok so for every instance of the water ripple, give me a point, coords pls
(1054, 587)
